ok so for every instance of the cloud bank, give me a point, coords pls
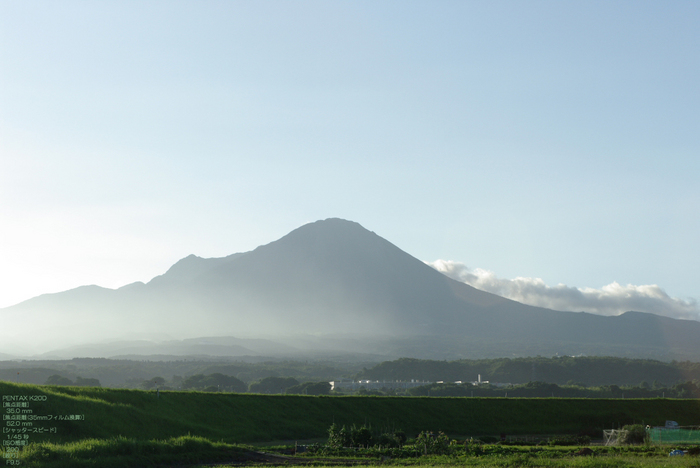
(613, 299)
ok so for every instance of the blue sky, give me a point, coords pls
(543, 140)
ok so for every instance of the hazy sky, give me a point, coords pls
(552, 141)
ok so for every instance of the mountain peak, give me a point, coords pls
(331, 244)
(330, 227)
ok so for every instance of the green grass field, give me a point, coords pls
(117, 422)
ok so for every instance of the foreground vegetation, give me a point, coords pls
(423, 451)
(121, 451)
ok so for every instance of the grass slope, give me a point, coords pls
(245, 418)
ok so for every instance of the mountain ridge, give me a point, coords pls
(331, 277)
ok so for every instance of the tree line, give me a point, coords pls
(78, 382)
(216, 382)
(585, 370)
(128, 373)
(690, 389)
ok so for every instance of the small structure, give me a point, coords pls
(478, 381)
(613, 436)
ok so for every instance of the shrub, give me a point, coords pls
(361, 436)
(338, 437)
(400, 437)
(636, 434)
(430, 443)
(387, 440)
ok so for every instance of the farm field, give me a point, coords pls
(145, 428)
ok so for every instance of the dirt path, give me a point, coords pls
(275, 459)
(254, 458)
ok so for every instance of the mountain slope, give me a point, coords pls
(331, 277)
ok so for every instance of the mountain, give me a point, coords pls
(342, 287)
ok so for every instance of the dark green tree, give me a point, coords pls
(81, 382)
(155, 382)
(273, 385)
(214, 382)
(58, 380)
(310, 388)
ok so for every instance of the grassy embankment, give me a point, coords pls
(138, 429)
(247, 418)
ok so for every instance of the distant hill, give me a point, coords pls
(333, 285)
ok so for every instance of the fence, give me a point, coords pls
(660, 435)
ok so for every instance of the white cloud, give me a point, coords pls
(613, 299)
